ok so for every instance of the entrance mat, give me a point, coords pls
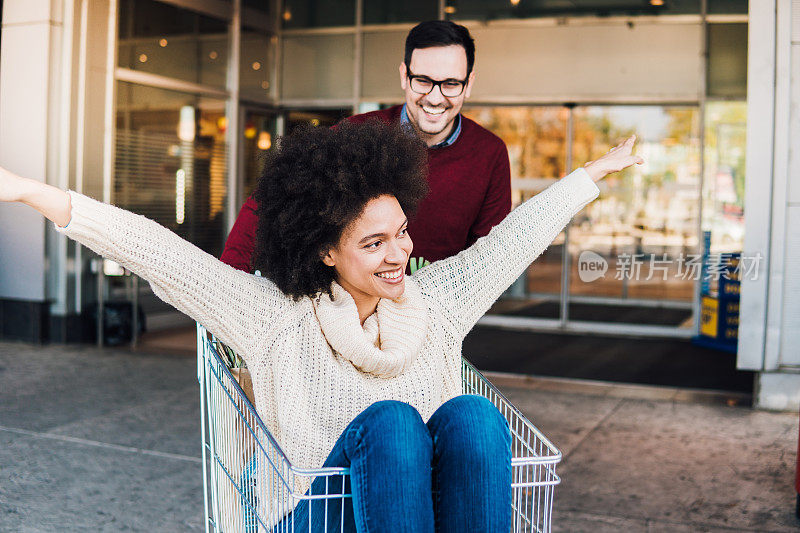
(618, 314)
(665, 362)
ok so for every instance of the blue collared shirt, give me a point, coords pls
(447, 142)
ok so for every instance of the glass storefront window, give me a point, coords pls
(258, 133)
(723, 190)
(645, 222)
(256, 65)
(171, 41)
(727, 61)
(170, 161)
(393, 11)
(313, 14)
(727, 7)
(315, 117)
(484, 10)
(643, 214)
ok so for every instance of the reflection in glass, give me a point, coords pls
(170, 161)
(727, 7)
(504, 9)
(257, 5)
(536, 141)
(171, 41)
(255, 68)
(258, 139)
(392, 11)
(646, 218)
(727, 61)
(315, 117)
(313, 14)
(723, 189)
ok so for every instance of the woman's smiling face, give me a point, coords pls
(371, 256)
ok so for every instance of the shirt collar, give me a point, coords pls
(450, 139)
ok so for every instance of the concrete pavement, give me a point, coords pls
(109, 440)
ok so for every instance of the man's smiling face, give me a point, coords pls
(432, 115)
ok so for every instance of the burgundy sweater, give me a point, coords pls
(470, 192)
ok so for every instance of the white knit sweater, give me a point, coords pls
(305, 391)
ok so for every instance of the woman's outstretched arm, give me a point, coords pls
(235, 306)
(467, 284)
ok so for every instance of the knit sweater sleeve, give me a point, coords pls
(233, 305)
(467, 284)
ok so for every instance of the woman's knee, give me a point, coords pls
(470, 418)
(395, 426)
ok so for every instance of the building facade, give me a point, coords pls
(166, 107)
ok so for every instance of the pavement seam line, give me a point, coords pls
(594, 428)
(86, 442)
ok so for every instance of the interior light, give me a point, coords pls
(265, 85)
(656, 2)
(250, 131)
(256, 65)
(450, 10)
(213, 54)
(287, 15)
(186, 125)
(222, 123)
(514, 2)
(142, 58)
(264, 141)
(162, 43)
(315, 122)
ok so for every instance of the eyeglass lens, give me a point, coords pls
(449, 88)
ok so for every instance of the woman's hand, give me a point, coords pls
(616, 159)
(51, 202)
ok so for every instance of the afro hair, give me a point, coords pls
(316, 182)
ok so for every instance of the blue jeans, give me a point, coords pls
(452, 474)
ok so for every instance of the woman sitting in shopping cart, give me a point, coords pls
(354, 363)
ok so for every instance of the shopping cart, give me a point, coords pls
(250, 485)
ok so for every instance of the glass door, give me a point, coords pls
(536, 137)
(629, 262)
(634, 251)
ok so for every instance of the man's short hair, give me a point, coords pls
(440, 33)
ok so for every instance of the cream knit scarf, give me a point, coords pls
(390, 339)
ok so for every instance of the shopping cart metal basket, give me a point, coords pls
(250, 484)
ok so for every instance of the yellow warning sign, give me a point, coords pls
(709, 315)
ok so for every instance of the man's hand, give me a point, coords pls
(616, 159)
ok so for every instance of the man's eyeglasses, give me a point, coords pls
(450, 87)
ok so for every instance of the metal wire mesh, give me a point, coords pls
(251, 486)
